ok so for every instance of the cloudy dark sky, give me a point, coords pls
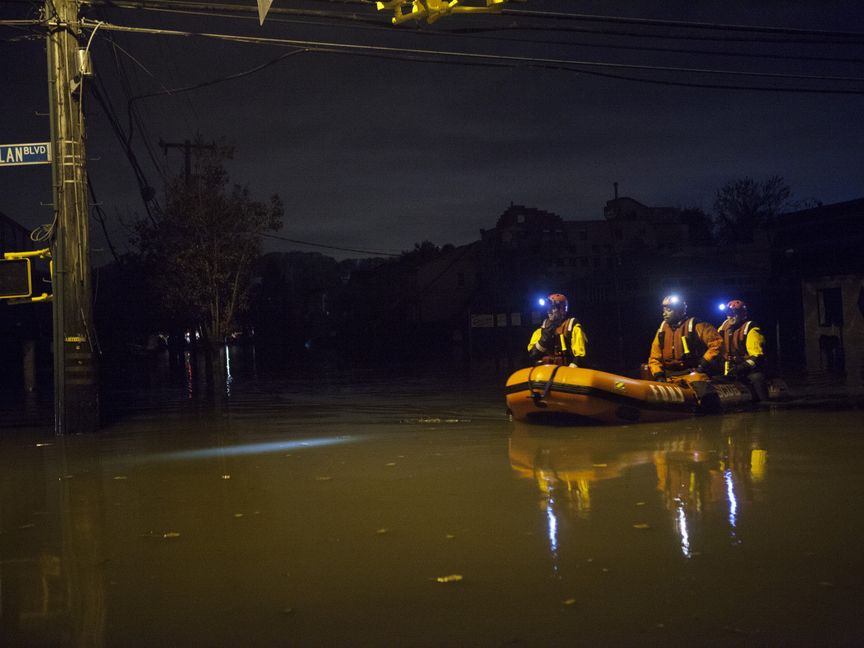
(377, 154)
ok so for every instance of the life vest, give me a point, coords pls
(735, 340)
(563, 353)
(684, 347)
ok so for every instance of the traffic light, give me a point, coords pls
(15, 278)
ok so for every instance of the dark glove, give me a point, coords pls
(547, 336)
(703, 368)
(659, 377)
(741, 369)
(548, 330)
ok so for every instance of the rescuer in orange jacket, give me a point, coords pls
(560, 339)
(683, 345)
(743, 348)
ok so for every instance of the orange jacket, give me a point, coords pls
(742, 343)
(686, 346)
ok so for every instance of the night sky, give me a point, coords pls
(374, 151)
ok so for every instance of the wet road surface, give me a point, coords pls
(380, 512)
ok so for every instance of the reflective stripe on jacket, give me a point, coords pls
(743, 342)
(570, 341)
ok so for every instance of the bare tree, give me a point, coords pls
(741, 207)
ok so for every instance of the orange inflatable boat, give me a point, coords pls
(549, 393)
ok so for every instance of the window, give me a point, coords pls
(830, 303)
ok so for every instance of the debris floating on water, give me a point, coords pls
(162, 536)
(452, 578)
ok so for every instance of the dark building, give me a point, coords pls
(25, 328)
(614, 271)
(818, 270)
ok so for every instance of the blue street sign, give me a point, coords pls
(18, 154)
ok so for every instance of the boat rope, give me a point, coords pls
(538, 396)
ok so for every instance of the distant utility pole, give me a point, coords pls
(76, 387)
(187, 147)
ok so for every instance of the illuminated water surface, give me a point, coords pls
(317, 511)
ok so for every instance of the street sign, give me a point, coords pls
(20, 154)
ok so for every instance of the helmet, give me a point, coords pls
(558, 300)
(676, 306)
(674, 302)
(736, 306)
(557, 303)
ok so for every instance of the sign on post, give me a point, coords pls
(21, 154)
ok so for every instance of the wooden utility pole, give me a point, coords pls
(76, 393)
(187, 147)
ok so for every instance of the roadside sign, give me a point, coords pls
(20, 154)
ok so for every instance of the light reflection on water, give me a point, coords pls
(315, 509)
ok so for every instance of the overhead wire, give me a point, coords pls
(480, 34)
(331, 247)
(199, 8)
(334, 47)
(229, 77)
(684, 24)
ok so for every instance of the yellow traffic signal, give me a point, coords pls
(15, 279)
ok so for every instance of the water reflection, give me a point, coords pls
(314, 510)
(704, 473)
(51, 541)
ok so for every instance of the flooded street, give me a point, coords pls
(407, 510)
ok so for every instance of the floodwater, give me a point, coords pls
(405, 509)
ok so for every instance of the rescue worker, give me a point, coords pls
(743, 348)
(560, 339)
(683, 345)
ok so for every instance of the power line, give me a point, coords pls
(206, 7)
(477, 34)
(331, 247)
(652, 22)
(230, 77)
(333, 47)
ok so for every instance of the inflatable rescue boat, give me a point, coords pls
(551, 392)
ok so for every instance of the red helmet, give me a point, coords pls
(736, 306)
(558, 302)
